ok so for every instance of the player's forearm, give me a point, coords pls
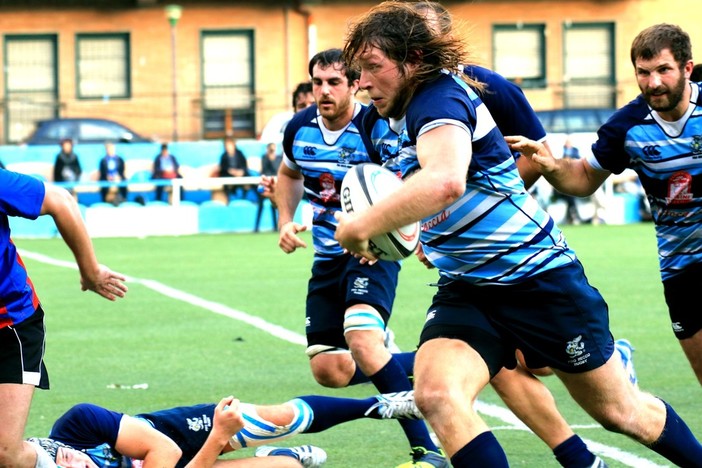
(62, 207)
(288, 194)
(569, 177)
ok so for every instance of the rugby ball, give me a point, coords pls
(364, 185)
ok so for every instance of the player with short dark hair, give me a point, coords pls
(508, 279)
(658, 136)
(302, 96)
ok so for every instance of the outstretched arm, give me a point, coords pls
(63, 208)
(570, 176)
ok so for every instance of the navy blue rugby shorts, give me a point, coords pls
(556, 319)
(340, 282)
(22, 352)
(681, 291)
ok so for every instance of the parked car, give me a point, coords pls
(82, 130)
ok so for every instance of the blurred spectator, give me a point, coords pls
(270, 162)
(302, 96)
(696, 74)
(112, 170)
(233, 163)
(571, 216)
(628, 182)
(165, 167)
(67, 166)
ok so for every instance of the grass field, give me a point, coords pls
(191, 329)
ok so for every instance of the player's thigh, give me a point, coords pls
(447, 366)
(15, 400)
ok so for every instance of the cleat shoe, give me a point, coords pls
(398, 405)
(309, 455)
(390, 342)
(423, 458)
(626, 351)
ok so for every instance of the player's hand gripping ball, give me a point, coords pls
(364, 185)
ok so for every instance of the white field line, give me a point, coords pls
(487, 409)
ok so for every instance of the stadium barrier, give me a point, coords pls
(154, 218)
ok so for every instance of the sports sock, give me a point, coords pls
(573, 453)
(358, 377)
(330, 411)
(393, 378)
(677, 443)
(406, 361)
(484, 450)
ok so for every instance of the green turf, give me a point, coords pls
(188, 354)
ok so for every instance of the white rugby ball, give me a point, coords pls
(364, 185)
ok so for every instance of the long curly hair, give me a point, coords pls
(401, 32)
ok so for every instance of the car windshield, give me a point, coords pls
(103, 131)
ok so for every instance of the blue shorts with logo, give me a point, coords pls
(556, 319)
(339, 282)
(679, 293)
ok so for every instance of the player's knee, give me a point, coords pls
(332, 367)
(431, 399)
(622, 419)
(330, 379)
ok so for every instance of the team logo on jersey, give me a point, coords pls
(651, 150)
(360, 286)
(203, 423)
(576, 351)
(679, 188)
(696, 146)
(345, 156)
(430, 315)
(309, 151)
(327, 190)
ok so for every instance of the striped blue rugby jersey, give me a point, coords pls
(496, 233)
(667, 156)
(324, 157)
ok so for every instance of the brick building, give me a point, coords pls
(236, 62)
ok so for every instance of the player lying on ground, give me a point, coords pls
(90, 436)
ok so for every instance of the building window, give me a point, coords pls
(31, 89)
(588, 65)
(519, 53)
(102, 66)
(228, 83)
